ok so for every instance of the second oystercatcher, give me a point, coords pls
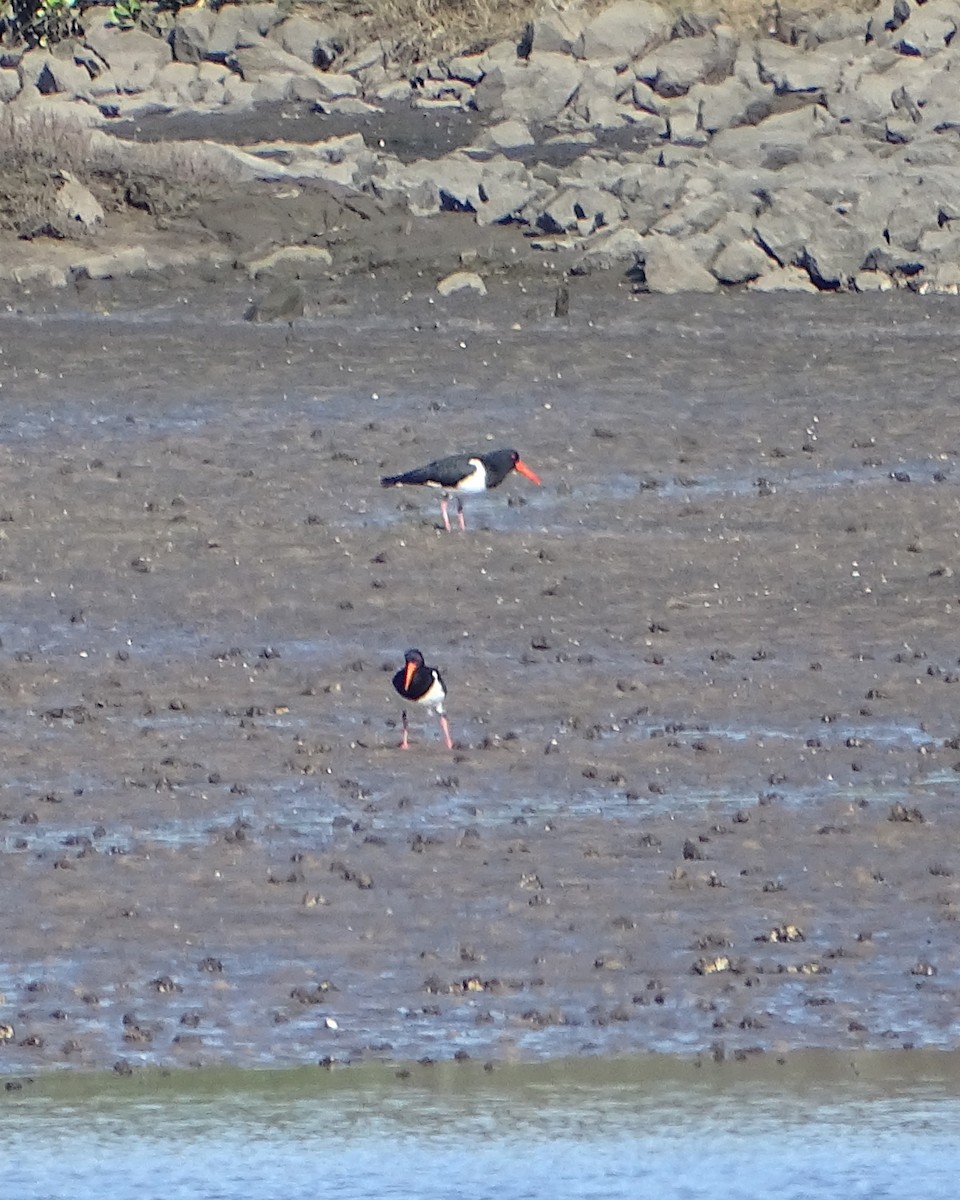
(420, 684)
(462, 473)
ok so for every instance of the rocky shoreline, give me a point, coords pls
(675, 154)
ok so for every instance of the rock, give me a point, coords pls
(467, 67)
(695, 215)
(508, 135)
(838, 25)
(266, 58)
(54, 75)
(190, 35)
(673, 69)
(728, 104)
(792, 70)
(941, 280)
(670, 267)
(351, 105)
(779, 140)
(623, 32)
(873, 281)
(460, 281)
(314, 41)
(291, 261)
(620, 247)
(232, 29)
(46, 274)
(556, 32)
(782, 279)
(237, 93)
(910, 219)
(833, 254)
(534, 90)
(179, 83)
(740, 261)
(783, 229)
(10, 85)
(77, 203)
(133, 57)
(895, 261)
(684, 127)
(582, 210)
(927, 31)
(862, 94)
(262, 16)
(112, 264)
(597, 95)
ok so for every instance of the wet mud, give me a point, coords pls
(701, 683)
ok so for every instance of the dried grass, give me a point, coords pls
(418, 30)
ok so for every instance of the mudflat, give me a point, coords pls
(701, 682)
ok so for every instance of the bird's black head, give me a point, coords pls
(413, 656)
(500, 463)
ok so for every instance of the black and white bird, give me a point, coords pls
(462, 474)
(420, 684)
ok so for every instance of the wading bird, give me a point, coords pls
(462, 474)
(420, 684)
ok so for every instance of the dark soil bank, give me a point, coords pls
(701, 682)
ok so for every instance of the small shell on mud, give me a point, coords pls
(712, 966)
(782, 933)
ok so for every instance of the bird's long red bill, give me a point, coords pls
(522, 467)
(409, 674)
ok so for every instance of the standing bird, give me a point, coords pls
(417, 682)
(466, 473)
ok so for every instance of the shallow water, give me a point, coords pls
(818, 1126)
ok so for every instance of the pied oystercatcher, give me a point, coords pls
(420, 684)
(469, 474)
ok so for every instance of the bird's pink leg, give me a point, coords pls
(443, 513)
(446, 731)
(405, 740)
(460, 520)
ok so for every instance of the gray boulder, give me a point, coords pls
(556, 32)
(77, 203)
(728, 104)
(740, 261)
(582, 210)
(54, 75)
(316, 42)
(789, 69)
(695, 215)
(533, 90)
(673, 69)
(928, 30)
(671, 267)
(779, 140)
(618, 248)
(834, 254)
(266, 58)
(782, 279)
(623, 32)
(10, 84)
(839, 25)
(191, 34)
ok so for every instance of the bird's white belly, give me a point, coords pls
(434, 696)
(476, 481)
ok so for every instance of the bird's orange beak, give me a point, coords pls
(522, 467)
(409, 674)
